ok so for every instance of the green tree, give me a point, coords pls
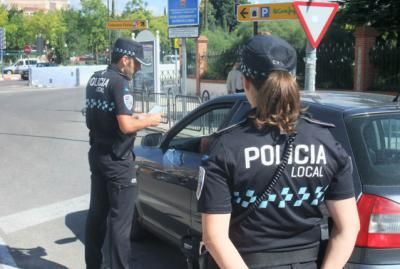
(380, 14)
(15, 30)
(94, 19)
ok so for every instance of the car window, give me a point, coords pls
(19, 63)
(376, 145)
(206, 124)
(196, 136)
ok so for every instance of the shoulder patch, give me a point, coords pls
(321, 123)
(200, 182)
(128, 101)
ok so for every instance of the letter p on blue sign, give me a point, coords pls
(265, 12)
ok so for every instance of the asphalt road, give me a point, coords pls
(44, 183)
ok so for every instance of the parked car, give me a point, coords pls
(19, 66)
(25, 73)
(367, 125)
(170, 59)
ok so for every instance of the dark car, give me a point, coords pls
(367, 125)
(25, 73)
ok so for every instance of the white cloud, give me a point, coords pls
(157, 10)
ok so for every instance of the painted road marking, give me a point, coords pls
(22, 220)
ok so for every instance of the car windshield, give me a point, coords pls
(375, 141)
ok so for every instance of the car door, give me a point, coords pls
(166, 187)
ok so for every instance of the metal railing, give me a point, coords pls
(174, 106)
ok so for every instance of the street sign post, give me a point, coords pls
(266, 12)
(128, 25)
(315, 17)
(183, 12)
(2, 47)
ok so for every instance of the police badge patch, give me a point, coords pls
(200, 182)
(128, 101)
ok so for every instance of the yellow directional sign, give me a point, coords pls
(127, 25)
(266, 12)
(140, 24)
(177, 44)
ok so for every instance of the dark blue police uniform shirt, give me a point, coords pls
(108, 94)
(242, 161)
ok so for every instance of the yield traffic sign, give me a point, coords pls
(315, 17)
(266, 12)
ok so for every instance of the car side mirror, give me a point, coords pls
(152, 140)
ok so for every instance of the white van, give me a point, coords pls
(19, 66)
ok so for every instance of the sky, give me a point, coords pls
(157, 6)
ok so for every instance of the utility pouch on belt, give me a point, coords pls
(122, 148)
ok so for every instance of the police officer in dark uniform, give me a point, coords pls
(113, 127)
(283, 230)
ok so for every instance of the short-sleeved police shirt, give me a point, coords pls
(108, 94)
(240, 165)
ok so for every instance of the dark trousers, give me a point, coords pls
(307, 265)
(112, 199)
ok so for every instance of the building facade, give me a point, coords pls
(31, 6)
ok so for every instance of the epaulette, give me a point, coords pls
(230, 128)
(321, 123)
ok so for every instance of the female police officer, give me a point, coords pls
(284, 229)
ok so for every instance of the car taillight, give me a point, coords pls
(380, 222)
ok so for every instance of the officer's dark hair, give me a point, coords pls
(116, 57)
(278, 101)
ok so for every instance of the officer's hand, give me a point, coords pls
(153, 119)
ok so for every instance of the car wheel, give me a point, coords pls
(9, 72)
(138, 232)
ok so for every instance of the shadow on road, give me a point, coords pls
(32, 258)
(151, 253)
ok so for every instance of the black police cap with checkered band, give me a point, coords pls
(130, 48)
(266, 53)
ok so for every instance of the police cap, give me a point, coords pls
(131, 48)
(266, 53)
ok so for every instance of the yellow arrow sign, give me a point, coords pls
(127, 25)
(266, 12)
(140, 24)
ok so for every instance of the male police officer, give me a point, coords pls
(113, 127)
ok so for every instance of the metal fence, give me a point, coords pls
(386, 61)
(173, 106)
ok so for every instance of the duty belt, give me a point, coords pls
(262, 259)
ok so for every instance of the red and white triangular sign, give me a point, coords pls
(315, 17)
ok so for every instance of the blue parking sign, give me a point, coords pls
(265, 12)
(183, 12)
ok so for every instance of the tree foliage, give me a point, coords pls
(380, 14)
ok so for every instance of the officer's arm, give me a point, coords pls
(131, 124)
(216, 239)
(344, 234)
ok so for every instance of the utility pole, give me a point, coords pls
(205, 15)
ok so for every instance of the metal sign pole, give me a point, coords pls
(311, 67)
(184, 67)
(2, 64)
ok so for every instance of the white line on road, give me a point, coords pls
(22, 220)
(6, 260)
